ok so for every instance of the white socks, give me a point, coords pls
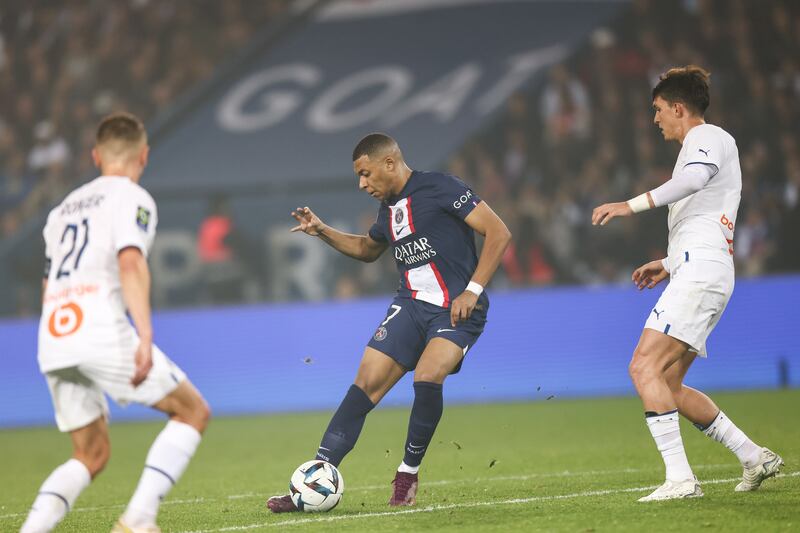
(666, 432)
(407, 469)
(167, 459)
(56, 496)
(724, 431)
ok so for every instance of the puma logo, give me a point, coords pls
(705, 152)
(658, 313)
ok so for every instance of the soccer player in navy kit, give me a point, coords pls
(429, 220)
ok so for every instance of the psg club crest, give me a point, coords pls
(381, 333)
(398, 216)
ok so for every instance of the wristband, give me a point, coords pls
(474, 288)
(639, 204)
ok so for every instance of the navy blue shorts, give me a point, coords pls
(410, 324)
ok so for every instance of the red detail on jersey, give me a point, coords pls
(391, 226)
(442, 286)
(410, 219)
(725, 222)
(730, 246)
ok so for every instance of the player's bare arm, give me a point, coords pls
(361, 247)
(134, 277)
(650, 274)
(496, 239)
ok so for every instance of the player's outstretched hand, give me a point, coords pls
(309, 222)
(144, 362)
(649, 275)
(602, 214)
(462, 307)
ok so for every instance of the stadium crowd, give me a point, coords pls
(586, 136)
(63, 65)
(583, 137)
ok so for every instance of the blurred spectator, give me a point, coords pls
(50, 150)
(222, 270)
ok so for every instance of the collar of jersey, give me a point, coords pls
(402, 194)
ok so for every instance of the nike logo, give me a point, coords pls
(658, 313)
(324, 448)
(704, 151)
(399, 230)
(444, 329)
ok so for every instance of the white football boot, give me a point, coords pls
(672, 490)
(769, 464)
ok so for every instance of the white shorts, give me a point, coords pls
(77, 391)
(692, 304)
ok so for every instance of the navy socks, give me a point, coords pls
(345, 426)
(425, 415)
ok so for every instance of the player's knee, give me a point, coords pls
(203, 414)
(372, 388)
(641, 367)
(195, 412)
(430, 375)
(199, 414)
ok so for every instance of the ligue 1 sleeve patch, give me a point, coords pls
(142, 218)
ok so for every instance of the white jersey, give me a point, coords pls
(83, 312)
(705, 221)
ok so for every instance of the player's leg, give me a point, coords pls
(758, 463)
(439, 359)
(653, 356)
(376, 375)
(698, 408)
(80, 410)
(166, 389)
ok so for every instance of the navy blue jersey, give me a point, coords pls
(433, 247)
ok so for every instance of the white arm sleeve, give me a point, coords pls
(689, 180)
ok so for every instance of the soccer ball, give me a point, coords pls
(316, 486)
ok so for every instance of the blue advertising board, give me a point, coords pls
(562, 342)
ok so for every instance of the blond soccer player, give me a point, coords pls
(703, 198)
(96, 245)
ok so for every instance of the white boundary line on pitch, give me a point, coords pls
(522, 477)
(434, 508)
(519, 477)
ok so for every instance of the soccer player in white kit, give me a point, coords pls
(703, 197)
(96, 244)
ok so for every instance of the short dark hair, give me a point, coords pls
(373, 144)
(120, 126)
(687, 85)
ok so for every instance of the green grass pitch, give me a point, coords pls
(558, 465)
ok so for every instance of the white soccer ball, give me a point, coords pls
(316, 486)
